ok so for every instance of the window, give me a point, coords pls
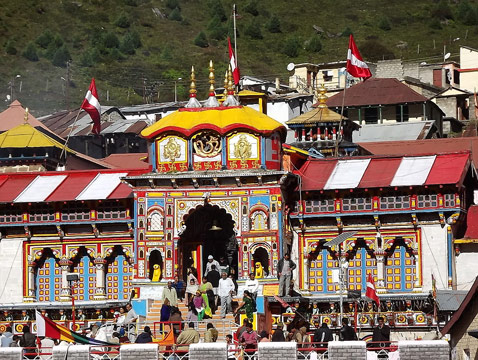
(357, 204)
(259, 221)
(41, 213)
(371, 115)
(449, 200)
(155, 221)
(394, 202)
(425, 201)
(111, 210)
(315, 206)
(74, 212)
(398, 113)
(10, 216)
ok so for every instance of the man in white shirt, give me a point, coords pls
(131, 316)
(170, 293)
(224, 291)
(210, 262)
(252, 285)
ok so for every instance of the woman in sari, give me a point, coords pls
(206, 290)
(192, 285)
(249, 306)
(198, 302)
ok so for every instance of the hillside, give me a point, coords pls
(138, 48)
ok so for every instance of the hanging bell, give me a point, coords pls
(215, 227)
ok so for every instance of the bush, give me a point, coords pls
(314, 44)
(10, 49)
(122, 21)
(201, 40)
(251, 8)
(172, 4)
(90, 57)
(30, 52)
(273, 25)
(127, 46)
(110, 40)
(175, 15)
(135, 39)
(61, 57)
(58, 41)
(291, 47)
(253, 30)
(384, 24)
(116, 54)
(44, 39)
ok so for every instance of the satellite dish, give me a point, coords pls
(447, 55)
(423, 63)
(291, 66)
(8, 97)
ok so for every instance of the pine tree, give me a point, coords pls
(201, 40)
(30, 52)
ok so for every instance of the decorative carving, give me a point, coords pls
(207, 144)
(242, 149)
(172, 150)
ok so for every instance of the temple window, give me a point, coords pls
(315, 206)
(10, 216)
(40, 213)
(356, 204)
(449, 200)
(111, 210)
(426, 201)
(155, 221)
(395, 202)
(72, 212)
(259, 221)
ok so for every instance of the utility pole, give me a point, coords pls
(68, 85)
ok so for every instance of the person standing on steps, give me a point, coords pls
(210, 262)
(284, 272)
(252, 285)
(224, 291)
(169, 292)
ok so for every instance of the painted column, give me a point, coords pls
(449, 236)
(65, 293)
(30, 293)
(100, 293)
(380, 257)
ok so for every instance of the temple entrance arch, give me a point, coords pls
(208, 230)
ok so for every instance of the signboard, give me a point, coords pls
(270, 289)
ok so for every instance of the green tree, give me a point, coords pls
(110, 40)
(273, 25)
(175, 15)
(216, 30)
(10, 48)
(291, 47)
(90, 57)
(466, 13)
(216, 9)
(384, 24)
(135, 38)
(127, 46)
(314, 44)
(201, 40)
(251, 8)
(44, 39)
(122, 21)
(58, 41)
(253, 30)
(61, 57)
(30, 52)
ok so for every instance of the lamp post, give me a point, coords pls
(175, 89)
(72, 279)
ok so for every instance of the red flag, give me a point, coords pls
(92, 106)
(355, 64)
(232, 60)
(371, 293)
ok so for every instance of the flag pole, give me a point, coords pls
(68, 138)
(235, 37)
(339, 135)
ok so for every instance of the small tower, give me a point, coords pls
(211, 101)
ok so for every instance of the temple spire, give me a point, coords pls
(193, 101)
(25, 118)
(211, 101)
(231, 99)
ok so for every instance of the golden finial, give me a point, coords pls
(192, 90)
(230, 84)
(321, 97)
(211, 78)
(225, 83)
(25, 118)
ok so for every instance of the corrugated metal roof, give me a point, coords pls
(377, 91)
(450, 300)
(347, 174)
(101, 186)
(392, 132)
(413, 171)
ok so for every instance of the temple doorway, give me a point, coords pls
(209, 230)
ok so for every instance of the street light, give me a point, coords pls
(72, 279)
(175, 89)
(12, 85)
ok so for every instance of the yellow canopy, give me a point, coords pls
(26, 136)
(221, 119)
(318, 115)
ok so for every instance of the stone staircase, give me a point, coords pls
(224, 326)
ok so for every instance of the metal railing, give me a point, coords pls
(383, 349)
(34, 353)
(105, 353)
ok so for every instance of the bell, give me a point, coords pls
(214, 226)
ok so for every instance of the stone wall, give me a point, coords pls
(208, 351)
(342, 350)
(75, 352)
(424, 350)
(139, 352)
(277, 351)
(11, 353)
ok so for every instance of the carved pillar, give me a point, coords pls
(65, 293)
(100, 292)
(380, 257)
(30, 291)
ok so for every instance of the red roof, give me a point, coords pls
(441, 169)
(14, 185)
(71, 187)
(128, 161)
(424, 147)
(377, 91)
(472, 223)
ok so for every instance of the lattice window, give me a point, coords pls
(449, 200)
(320, 274)
(395, 202)
(75, 212)
(10, 216)
(316, 206)
(425, 201)
(359, 267)
(48, 281)
(259, 221)
(86, 286)
(357, 204)
(119, 279)
(400, 273)
(111, 210)
(42, 213)
(155, 221)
